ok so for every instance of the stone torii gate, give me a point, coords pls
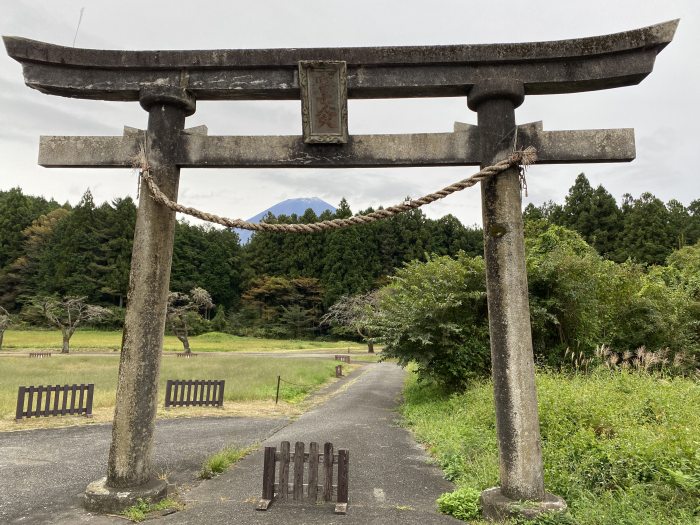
(494, 79)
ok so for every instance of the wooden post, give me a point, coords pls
(298, 492)
(268, 490)
(222, 384)
(312, 492)
(341, 506)
(328, 472)
(283, 488)
(277, 395)
(20, 403)
(90, 394)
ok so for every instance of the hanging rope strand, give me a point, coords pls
(518, 158)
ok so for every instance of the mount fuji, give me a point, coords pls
(287, 207)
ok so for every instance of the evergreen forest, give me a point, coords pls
(280, 285)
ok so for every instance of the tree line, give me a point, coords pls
(282, 284)
(275, 285)
(644, 230)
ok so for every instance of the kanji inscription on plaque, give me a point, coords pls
(324, 101)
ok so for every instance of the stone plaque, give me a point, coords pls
(324, 102)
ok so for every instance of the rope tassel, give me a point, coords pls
(522, 158)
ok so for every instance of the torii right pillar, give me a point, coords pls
(513, 367)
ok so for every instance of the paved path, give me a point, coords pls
(391, 480)
(44, 472)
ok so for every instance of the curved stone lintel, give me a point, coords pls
(562, 66)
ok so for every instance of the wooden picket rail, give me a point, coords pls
(280, 490)
(194, 392)
(40, 402)
(186, 354)
(39, 355)
(343, 358)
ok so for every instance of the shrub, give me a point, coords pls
(463, 503)
(434, 315)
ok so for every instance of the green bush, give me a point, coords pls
(462, 503)
(434, 315)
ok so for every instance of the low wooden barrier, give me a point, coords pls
(280, 491)
(185, 354)
(39, 355)
(343, 358)
(37, 401)
(338, 370)
(194, 392)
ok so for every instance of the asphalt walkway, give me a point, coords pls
(43, 473)
(391, 479)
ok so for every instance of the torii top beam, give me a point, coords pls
(563, 66)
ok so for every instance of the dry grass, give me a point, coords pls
(250, 384)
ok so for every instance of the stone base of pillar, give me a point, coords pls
(109, 500)
(497, 507)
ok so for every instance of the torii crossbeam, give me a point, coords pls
(494, 78)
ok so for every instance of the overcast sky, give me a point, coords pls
(664, 109)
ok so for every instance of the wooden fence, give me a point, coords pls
(305, 491)
(194, 392)
(338, 370)
(39, 355)
(343, 358)
(57, 400)
(185, 354)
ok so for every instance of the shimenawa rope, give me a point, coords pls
(522, 158)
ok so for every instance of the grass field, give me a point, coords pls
(250, 382)
(91, 340)
(620, 448)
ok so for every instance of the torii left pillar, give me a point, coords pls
(129, 472)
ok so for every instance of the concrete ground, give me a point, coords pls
(391, 480)
(43, 473)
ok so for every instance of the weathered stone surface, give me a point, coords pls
(512, 363)
(99, 497)
(460, 148)
(142, 342)
(497, 507)
(563, 66)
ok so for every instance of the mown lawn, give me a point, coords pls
(250, 380)
(621, 448)
(82, 340)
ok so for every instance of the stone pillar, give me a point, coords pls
(513, 369)
(129, 474)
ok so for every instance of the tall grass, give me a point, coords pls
(623, 448)
(248, 378)
(209, 342)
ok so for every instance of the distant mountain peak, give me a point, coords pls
(288, 207)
